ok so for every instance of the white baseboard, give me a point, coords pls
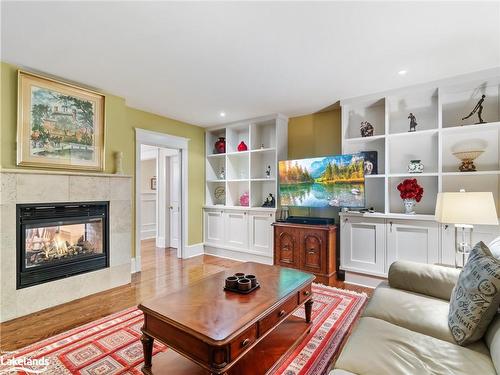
(193, 250)
(362, 280)
(146, 234)
(237, 255)
(135, 265)
(160, 242)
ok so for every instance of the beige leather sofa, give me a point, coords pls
(404, 329)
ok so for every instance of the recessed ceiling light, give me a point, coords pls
(222, 114)
(402, 72)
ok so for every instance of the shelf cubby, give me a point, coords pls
(473, 182)
(371, 111)
(428, 203)
(259, 162)
(215, 165)
(260, 191)
(263, 134)
(212, 137)
(210, 193)
(237, 134)
(369, 144)
(375, 193)
(423, 147)
(424, 106)
(235, 190)
(486, 139)
(459, 100)
(237, 166)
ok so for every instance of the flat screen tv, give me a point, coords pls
(330, 181)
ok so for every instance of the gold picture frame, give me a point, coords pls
(59, 125)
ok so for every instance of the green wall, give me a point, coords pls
(317, 134)
(120, 136)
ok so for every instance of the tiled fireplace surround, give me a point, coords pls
(21, 186)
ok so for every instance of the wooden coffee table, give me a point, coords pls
(213, 331)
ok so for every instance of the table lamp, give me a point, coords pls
(464, 209)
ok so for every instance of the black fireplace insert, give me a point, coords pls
(59, 240)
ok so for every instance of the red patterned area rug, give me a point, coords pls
(112, 345)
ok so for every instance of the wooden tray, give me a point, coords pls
(242, 291)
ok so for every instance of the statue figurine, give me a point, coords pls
(268, 172)
(413, 122)
(479, 109)
(222, 174)
(270, 201)
(366, 129)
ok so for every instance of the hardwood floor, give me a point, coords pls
(161, 272)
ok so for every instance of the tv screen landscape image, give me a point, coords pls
(330, 181)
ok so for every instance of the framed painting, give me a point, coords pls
(59, 124)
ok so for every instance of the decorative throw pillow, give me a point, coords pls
(475, 298)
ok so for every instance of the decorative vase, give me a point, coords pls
(242, 146)
(244, 199)
(118, 162)
(220, 146)
(415, 166)
(467, 158)
(409, 206)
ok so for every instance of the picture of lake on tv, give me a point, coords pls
(332, 181)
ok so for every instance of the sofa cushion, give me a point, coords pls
(492, 338)
(476, 296)
(494, 247)
(428, 279)
(379, 347)
(409, 310)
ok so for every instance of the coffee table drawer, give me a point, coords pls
(305, 293)
(243, 341)
(279, 313)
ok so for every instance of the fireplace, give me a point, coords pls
(60, 240)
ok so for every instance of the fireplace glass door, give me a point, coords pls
(50, 244)
(58, 240)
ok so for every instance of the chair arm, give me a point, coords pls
(429, 279)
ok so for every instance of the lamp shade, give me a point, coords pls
(466, 208)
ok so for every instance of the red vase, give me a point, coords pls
(220, 145)
(242, 146)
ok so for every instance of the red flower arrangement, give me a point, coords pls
(410, 189)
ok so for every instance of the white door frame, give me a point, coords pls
(148, 137)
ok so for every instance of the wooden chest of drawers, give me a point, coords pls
(310, 248)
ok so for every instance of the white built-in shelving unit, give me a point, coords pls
(439, 108)
(370, 242)
(230, 229)
(245, 171)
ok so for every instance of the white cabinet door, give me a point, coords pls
(214, 227)
(485, 233)
(261, 232)
(415, 241)
(362, 244)
(236, 229)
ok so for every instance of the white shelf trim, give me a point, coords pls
(364, 139)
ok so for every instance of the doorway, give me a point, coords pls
(161, 195)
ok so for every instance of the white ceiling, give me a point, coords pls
(189, 61)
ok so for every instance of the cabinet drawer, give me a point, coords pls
(305, 293)
(279, 313)
(243, 341)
